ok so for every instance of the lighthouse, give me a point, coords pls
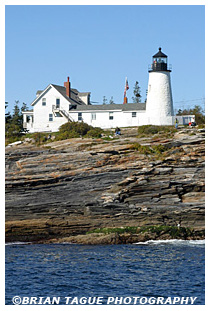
(159, 104)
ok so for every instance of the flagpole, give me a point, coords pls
(125, 91)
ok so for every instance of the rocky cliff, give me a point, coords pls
(62, 190)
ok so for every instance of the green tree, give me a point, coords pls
(14, 123)
(17, 117)
(24, 107)
(137, 93)
(104, 100)
(179, 112)
(111, 101)
(7, 114)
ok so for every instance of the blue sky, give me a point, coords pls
(98, 46)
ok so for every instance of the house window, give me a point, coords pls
(57, 103)
(50, 117)
(72, 106)
(80, 116)
(44, 102)
(111, 116)
(133, 114)
(93, 116)
(58, 115)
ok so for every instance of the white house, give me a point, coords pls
(56, 105)
(52, 106)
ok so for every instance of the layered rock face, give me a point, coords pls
(64, 189)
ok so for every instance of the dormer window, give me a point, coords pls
(44, 102)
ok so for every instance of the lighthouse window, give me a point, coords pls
(44, 102)
(133, 114)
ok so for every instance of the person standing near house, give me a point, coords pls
(176, 123)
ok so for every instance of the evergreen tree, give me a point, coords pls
(17, 117)
(137, 93)
(24, 107)
(179, 112)
(7, 114)
(111, 101)
(104, 100)
(14, 123)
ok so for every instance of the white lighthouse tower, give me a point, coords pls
(159, 105)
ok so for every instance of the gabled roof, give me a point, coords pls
(111, 107)
(41, 94)
(75, 100)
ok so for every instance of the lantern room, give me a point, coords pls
(159, 62)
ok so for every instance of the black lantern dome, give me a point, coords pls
(159, 62)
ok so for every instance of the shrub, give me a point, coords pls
(147, 129)
(141, 148)
(135, 146)
(78, 129)
(154, 129)
(67, 135)
(95, 132)
(39, 137)
(159, 148)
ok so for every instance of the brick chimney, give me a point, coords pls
(67, 86)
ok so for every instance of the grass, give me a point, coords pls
(145, 149)
(114, 230)
(107, 138)
(173, 231)
(201, 126)
(10, 140)
(155, 129)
